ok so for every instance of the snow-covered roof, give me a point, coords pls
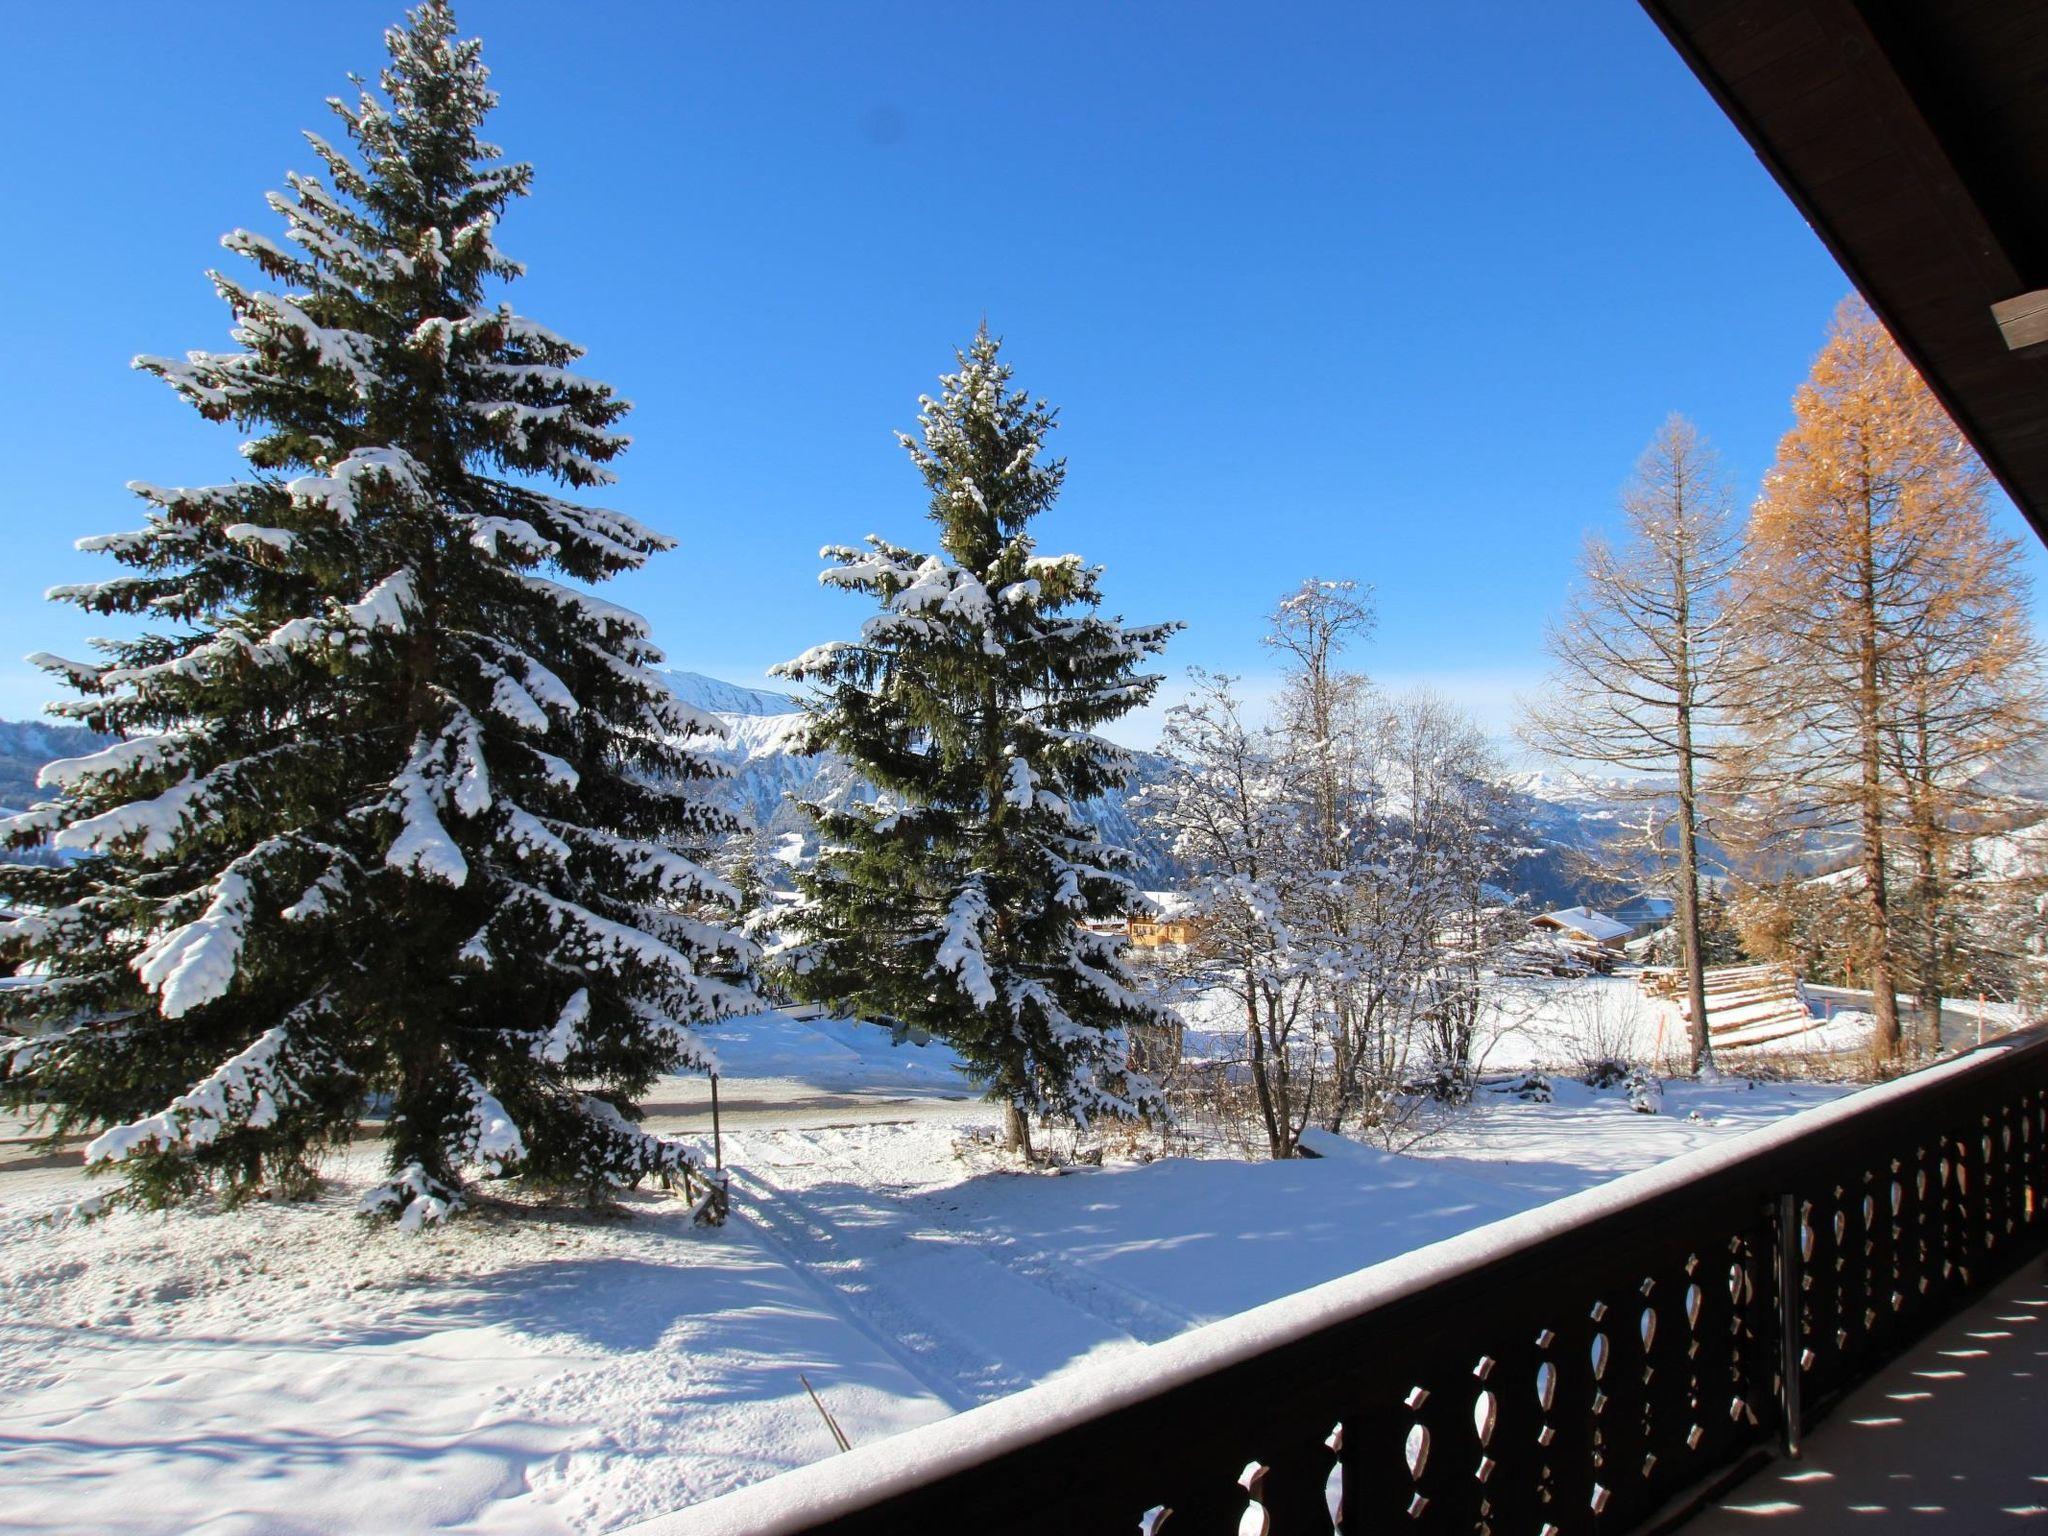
(1171, 904)
(1594, 925)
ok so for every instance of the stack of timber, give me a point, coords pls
(1746, 1004)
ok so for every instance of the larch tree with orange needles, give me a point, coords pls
(1886, 623)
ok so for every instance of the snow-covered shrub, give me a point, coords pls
(1645, 1091)
(1452, 1082)
(1604, 1072)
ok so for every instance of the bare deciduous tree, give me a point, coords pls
(1344, 863)
(1443, 840)
(1321, 719)
(1645, 670)
(1232, 811)
(1966, 694)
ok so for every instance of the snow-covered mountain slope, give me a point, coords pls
(25, 745)
(2017, 854)
(1565, 816)
(723, 698)
(1999, 857)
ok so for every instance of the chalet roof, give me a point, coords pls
(1594, 925)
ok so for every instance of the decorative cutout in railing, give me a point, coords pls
(1567, 1371)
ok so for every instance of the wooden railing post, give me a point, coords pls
(1790, 1366)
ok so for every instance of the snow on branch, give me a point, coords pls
(258, 536)
(639, 1151)
(615, 538)
(364, 469)
(488, 1135)
(275, 318)
(420, 1199)
(819, 660)
(511, 701)
(423, 847)
(960, 948)
(490, 534)
(664, 711)
(386, 606)
(640, 860)
(195, 963)
(604, 614)
(1021, 788)
(560, 774)
(248, 1091)
(529, 837)
(85, 676)
(539, 684)
(590, 940)
(567, 1033)
(141, 755)
(156, 823)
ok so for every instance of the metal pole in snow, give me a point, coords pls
(838, 1435)
(717, 1140)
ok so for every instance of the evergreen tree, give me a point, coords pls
(954, 904)
(395, 818)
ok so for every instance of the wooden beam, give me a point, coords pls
(2023, 321)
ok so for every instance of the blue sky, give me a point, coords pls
(1394, 293)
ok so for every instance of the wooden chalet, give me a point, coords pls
(1583, 925)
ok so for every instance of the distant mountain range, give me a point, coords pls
(764, 729)
(1563, 814)
(770, 774)
(763, 732)
(25, 745)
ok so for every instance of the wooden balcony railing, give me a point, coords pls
(1576, 1368)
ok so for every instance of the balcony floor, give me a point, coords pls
(1952, 1437)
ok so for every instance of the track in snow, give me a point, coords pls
(972, 1314)
(952, 1368)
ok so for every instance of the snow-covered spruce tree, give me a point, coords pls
(954, 904)
(397, 819)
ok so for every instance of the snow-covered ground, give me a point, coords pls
(286, 1369)
(1559, 1023)
(1536, 1022)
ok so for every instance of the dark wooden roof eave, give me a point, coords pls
(1912, 135)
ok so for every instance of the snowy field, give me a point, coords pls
(1550, 1023)
(291, 1370)
(1557, 1024)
